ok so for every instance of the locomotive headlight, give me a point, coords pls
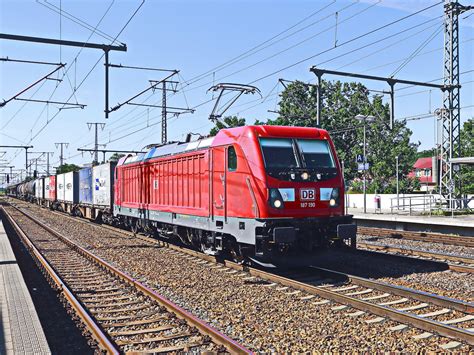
(305, 176)
(275, 199)
(334, 201)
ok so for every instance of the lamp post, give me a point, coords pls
(398, 202)
(364, 119)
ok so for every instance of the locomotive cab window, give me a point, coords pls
(231, 159)
(316, 153)
(279, 153)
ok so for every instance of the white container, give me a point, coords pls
(39, 191)
(102, 182)
(60, 187)
(50, 188)
(69, 186)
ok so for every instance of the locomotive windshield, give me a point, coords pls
(315, 153)
(279, 153)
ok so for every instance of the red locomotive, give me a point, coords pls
(253, 190)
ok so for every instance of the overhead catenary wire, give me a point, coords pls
(404, 58)
(427, 115)
(88, 73)
(77, 55)
(379, 50)
(190, 81)
(248, 52)
(353, 39)
(259, 47)
(434, 80)
(417, 50)
(76, 20)
(80, 51)
(399, 41)
(344, 43)
(327, 29)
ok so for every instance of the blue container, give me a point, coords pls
(85, 186)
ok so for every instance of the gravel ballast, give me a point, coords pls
(260, 317)
(431, 247)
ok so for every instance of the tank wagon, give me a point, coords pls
(12, 190)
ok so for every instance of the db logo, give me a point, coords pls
(307, 194)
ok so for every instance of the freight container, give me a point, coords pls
(103, 179)
(60, 187)
(50, 188)
(71, 187)
(68, 187)
(85, 186)
(39, 192)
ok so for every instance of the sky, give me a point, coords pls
(210, 41)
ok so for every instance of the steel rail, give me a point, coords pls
(399, 316)
(181, 313)
(96, 332)
(438, 256)
(425, 324)
(418, 236)
(452, 303)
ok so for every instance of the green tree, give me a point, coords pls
(341, 102)
(65, 168)
(425, 153)
(227, 122)
(116, 157)
(467, 150)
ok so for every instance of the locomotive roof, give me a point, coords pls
(224, 136)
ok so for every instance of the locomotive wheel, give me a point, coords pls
(237, 257)
(134, 227)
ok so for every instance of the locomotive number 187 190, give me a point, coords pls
(307, 204)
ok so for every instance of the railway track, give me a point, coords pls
(120, 313)
(361, 297)
(358, 297)
(462, 264)
(419, 236)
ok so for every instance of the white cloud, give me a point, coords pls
(411, 6)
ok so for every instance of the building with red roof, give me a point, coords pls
(423, 170)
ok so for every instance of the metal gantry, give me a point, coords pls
(450, 116)
(25, 147)
(61, 156)
(389, 80)
(96, 138)
(105, 47)
(103, 151)
(48, 154)
(154, 85)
